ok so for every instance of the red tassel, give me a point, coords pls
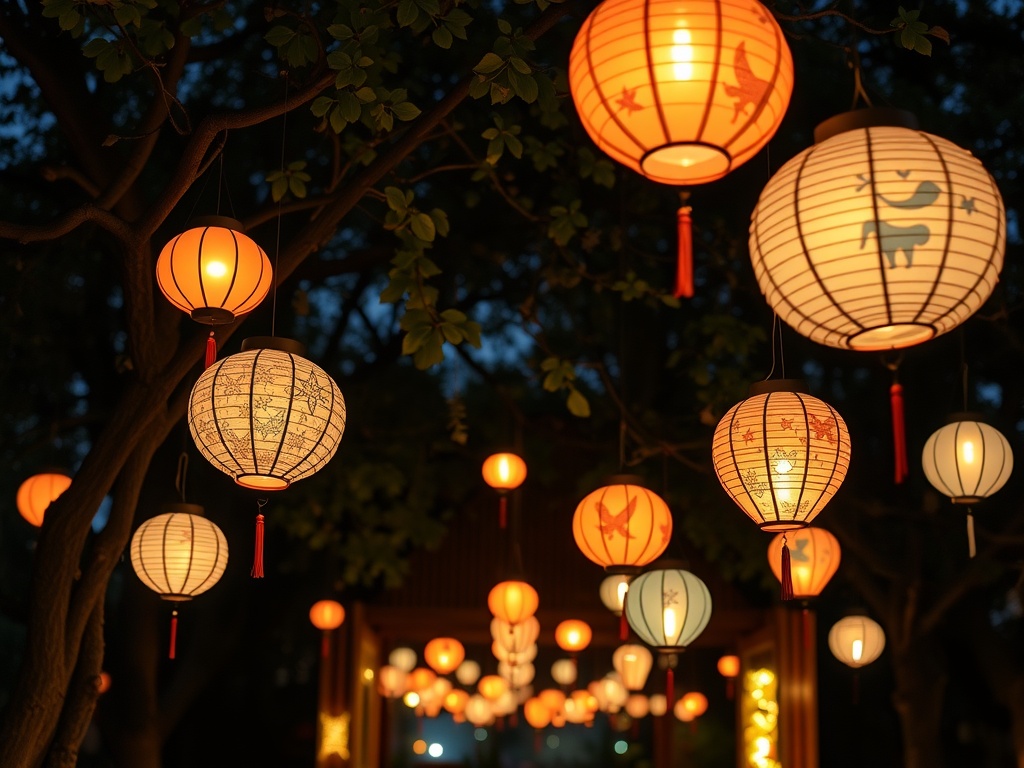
(684, 259)
(502, 511)
(787, 572)
(899, 436)
(257, 566)
(211, 350)
(670, 694)
(623, 627)
(174, 633)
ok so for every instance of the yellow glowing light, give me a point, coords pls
(760, 720)
(216, 269)
(681, 54)
(368, 675)
(411, 699)
(334, 735)
(857, 650)
(968, 452)
(762, 746)
(782, 466)
(671, 621)
(764, 677)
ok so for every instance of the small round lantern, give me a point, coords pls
(729, 668)
(478, 711)
(518, 675)
(878, 237)
(468, 672)
(37, 492)
(856, 640)
(573, 635)
(613, 593)
(455, 704)
(967, 460)
(444, 654)
(622, 526)
(178, 554)
(633, 663)
(326, 615)
(553, 699)
(814, 558)
(657, 704)
(492, 686)
(580, 707)
(403, 657)
(637, 706)
(504, 472)
(213, 271)
(420, 679)
(513, 601)
(695, 703)
(781, 454)
(392, 681)
(536, 713)
(564, 672)
(682, 94)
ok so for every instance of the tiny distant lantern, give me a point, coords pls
(178, 554)
(729, 668)
(326, 615)
(580, 706)
(613, 593)
(492, 686)
(668, 607)
(444, 654)
(468, 672)
(403, 657)
(504, 472)
(513, 601)
(633, 662)
(267, 417)
(856, 640)
(214, 271)
(814, 556)
(392, 681)
(681, 94)
(692, 705)
(657, 704)
(967, 460)
(564, 672)
(37, 492)
(622, 526)
(573, 635)
(781, 455)
(455, 704)
(637, 706)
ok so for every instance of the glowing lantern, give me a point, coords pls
(213, 271)
(580, 706)
(637, 706)
(500, 648)
(504, 472)
(878, 237)
(513, 601)
(326, 615)
(633, 663)
(564, 672)
(610, 692)
(967, 460)
(478, 711)
(403, 657)
(420, 679)
(657, 704)
(553, 699)
(392, 681)
(468, 672)
(518, 674)
(444, 654)
(37, 492)
(492, 686)
(179, 554)
(573, 635)
(622, 526)
(856, 640)
(515, 638)
(694, 703)
(537, 713)
(814, 559)
(455, 703)
(613, 592)
(729, 668)
(680, 93)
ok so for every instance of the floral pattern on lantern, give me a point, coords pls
(213, 271)
(856, 640)
(668, 607)
(266, 416)
(179, 554)
(781, 454)
(814, 556)
(878, 237)
(37, 492)
(622, 526)
(680, 93)
(967, 459)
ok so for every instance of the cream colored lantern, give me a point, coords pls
(878, 237)
(856, 640)
(633, 663)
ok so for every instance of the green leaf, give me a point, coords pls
(279, 35)
(491, 62)
(442, 38)
(440, 221)
(320, 106)
(396, 199)
(406, 111)
(416, 338)
(408, 12)
(423, 227)
(471, 331)
(577, 404)
(454, 316)
(349, 106)
(431, 353)
(504, 27)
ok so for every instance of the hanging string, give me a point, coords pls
(280, 209)
(257, 565)
(971, 549)
(899, 433)
(778, 353)
(684, 254)
(787, 571)
(179, 479)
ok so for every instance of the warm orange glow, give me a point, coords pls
(504, 471)
(420, 679)
(856, 640)
(622, 526)
(695, 703)
(327, 614)
(392, 682)
(633, 662)
(103, 685)
(813, 559)
(491, 687)
(513, 601)
(553, 699)
(214, 272)
(681, 93)
(444, 654)
(455, 701)
(729, 666)
(536, 712)
(37, 493)
(334, 735)
(573, 635)
(419, 747)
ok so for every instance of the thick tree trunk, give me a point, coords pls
(920, 672)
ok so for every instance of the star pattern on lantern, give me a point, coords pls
(967, 204)
(628, 100)
(748, 436)
(823, 430)
(669, 597)
(313, 392)
(610, 524)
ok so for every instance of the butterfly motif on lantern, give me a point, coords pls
(611, 524)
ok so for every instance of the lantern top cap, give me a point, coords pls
(624, 480)
(778, 385)
(869, 117)
(216, 221)
(953, 418)
(291, 346)
(182, 508)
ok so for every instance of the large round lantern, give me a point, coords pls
(444, 654)
(668, 607)
(622, 526)
(814, 559)
(213, 271)
(513, 601)
(633, 663)
(37, 492)
(178, 554)
(781, 454)
(680, 92)
(856, 640)
(536, 713)
(878, 237)
(266, 416)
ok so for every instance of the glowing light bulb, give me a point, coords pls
(504, 470)
(857, 649)
(621, 592)
(670, 622)
(967, 451)
(216, 268)
(681, 54)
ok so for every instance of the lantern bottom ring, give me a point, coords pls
(212, 315)
(175, 597)
(966, 500)
(781, 526)
(685, 162)
(892, 336)
(262, 482)
(623, 570)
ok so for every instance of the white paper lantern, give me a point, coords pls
(633, 663)
(856, 640)
(668, 607)
(967, 459)
(179, 554)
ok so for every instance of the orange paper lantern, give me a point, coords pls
(513, 601)
(573, 635)
(444, 654)
(327, 614)
(504, 471)
(681, 93)
(37, 493)
(813, 556)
